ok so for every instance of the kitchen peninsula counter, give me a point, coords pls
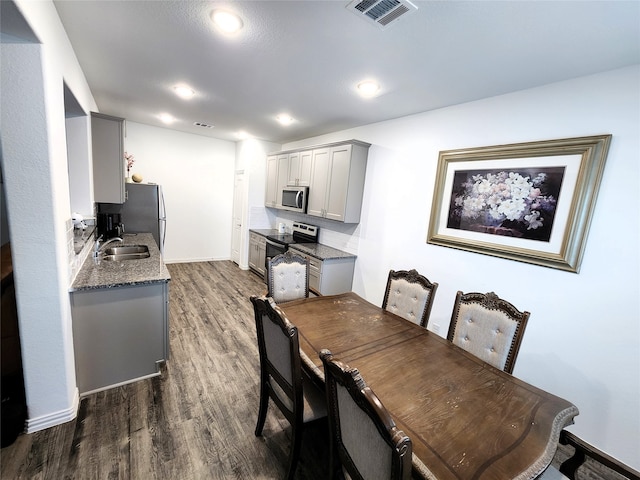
(120, 313)
(107, 274)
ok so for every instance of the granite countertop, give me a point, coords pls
(317, 250)
(321, 252)
(265, 232)
(93, 275)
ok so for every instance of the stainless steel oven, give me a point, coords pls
(273, 249)
(279, 243)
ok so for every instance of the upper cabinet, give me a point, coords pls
(300, 164)
(283, 173)
(277, 172)
(334, 173)
(107, 138)
(337, 182)
(271, 190)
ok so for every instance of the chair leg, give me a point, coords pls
(570, 465)
(296, 442)
(262, 410)
(334, 464)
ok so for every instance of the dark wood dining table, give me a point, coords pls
(466, 419)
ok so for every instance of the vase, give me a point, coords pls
(127, 179)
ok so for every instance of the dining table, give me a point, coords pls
(466, 419)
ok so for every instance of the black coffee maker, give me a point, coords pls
(109, 225)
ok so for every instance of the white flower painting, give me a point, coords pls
(519, 203)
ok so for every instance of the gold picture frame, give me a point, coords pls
(531, 202)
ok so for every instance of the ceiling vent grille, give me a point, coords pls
(382, 13)
(203, 125)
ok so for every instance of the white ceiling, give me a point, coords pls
(305, 58)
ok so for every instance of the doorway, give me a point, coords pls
(238, 211)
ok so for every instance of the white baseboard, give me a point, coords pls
(56, 418)
(193, 260)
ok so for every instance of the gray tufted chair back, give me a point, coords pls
(288, 277)
(488, 327)
(365, 442)
(409, 295)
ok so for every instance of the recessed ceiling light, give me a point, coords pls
(226, 21)
(284, 119)
(368, 88)
(166, 118)
(183, 91)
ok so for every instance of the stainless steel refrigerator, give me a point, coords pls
(144, 211)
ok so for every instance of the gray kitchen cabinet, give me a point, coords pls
(320, 176)
(257, 253)
(334, 173)
(330, 276)
(300, 164)
(276, 178)
(107, 139)
(283, 172)
(337, 181)
(120, 334)
(271, 187)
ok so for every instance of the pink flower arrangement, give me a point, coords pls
(128, 157)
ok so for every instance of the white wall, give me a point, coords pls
(582, 341)
(196, 174)
(79, 155)
(37, 195)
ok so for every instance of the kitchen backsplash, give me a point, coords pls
(79, 244)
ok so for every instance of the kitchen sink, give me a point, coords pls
(128, 249)
(129, 252)
(125, 256)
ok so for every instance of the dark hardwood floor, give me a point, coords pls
(196, 420)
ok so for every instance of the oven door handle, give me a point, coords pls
(277, 245)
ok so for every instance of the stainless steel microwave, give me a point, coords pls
(294, 199)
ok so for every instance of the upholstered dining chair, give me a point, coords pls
(488, 327)
(409, 295)
(287, 277)
(365, 442)
(281, 377)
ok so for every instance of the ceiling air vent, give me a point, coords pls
(382, 13)
(203, 125)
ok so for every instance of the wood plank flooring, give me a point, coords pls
(196, 420)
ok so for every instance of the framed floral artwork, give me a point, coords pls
(530, 202)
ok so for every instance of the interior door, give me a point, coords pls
(238, 208)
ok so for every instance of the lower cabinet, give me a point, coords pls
(257, 253)
(330, 276)
(120, 334)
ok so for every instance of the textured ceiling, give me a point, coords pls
(305, 58)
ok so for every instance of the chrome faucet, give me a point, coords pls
(99, 247)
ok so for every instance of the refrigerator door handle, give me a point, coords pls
(163, 219)
(164, 234)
